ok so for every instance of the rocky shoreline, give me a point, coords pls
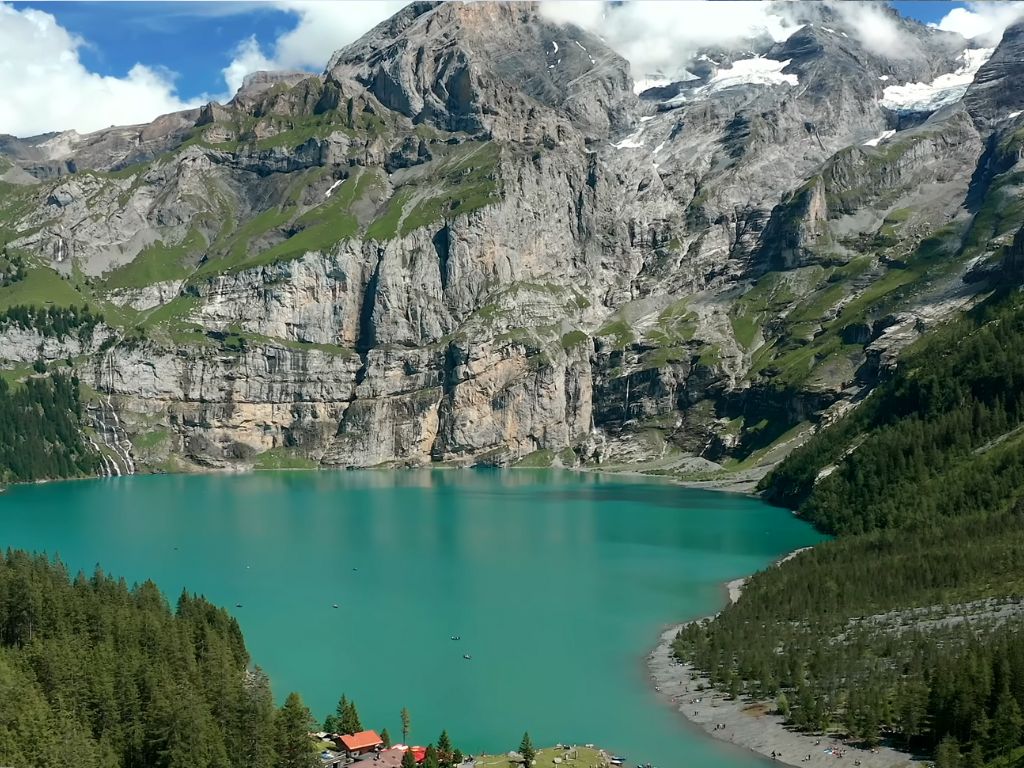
(748, 723)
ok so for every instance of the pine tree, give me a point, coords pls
(408, 759)
(1007, 724)
(527, 751)
(444, 749)
(340, 713)
(782, 704)
(948, 754)
(294, 747)
(351, 719)
(386, 738)
(256, 721)
(406, 722)
(430, 759)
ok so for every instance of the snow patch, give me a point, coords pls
(632, 141)
(646, 118)
(651, 81)
(1013, 115)
(756, 71)
(883, 78)
(885, 135)
(658, 148)
(555, 46)
(943, 90)
(333, 187)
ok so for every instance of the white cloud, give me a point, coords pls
(660, 37)
(983, 21)
(877, 29)
(248, 58)
(44, 86)
(322, 28)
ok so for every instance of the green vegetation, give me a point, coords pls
(573, 339)
(526, 750)
(469, 182)
(145, 442)
(282, 458)
(95, 674)
(675, 326)
(12, 269)
(324, 225)
(462, 182)
(804, 347)
(40, 286)
(40, 434)
(156, 264)
(745, 329)
(385, 226)
(923, 440)
(908, 625)
(541, 458)
(582, 757)
(618, 332)
(52, 321)
(344, 719)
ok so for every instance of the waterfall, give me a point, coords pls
(108, 427)
(120, 444)
(107, 463)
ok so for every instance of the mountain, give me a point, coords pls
(469, 241)
(905, 628)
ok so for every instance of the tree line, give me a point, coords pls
(53, 321)
(98, 674)
(40, 431)
(907, 627)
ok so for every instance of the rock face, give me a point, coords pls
(469, 241)
(996, 92)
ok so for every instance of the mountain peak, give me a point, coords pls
(481, 67)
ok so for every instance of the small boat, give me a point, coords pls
(238, 605)
(456, 637)
(335, 605)
(466, 656)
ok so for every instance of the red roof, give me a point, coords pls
(361, 740)
(419, 753)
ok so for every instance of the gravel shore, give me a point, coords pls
(749, 723)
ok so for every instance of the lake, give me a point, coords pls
(556, 582)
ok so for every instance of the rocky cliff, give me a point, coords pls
(469, 241)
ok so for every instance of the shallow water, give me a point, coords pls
(557, 583)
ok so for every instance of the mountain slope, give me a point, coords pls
(436, 251)
(907, 627)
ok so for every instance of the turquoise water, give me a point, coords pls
(557, 583)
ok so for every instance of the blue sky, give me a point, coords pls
(193, 39)
(88, 65)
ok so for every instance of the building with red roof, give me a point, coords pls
(361, 743)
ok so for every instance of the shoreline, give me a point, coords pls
(744, 722)
(739, 486)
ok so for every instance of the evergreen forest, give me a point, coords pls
(907, 626)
